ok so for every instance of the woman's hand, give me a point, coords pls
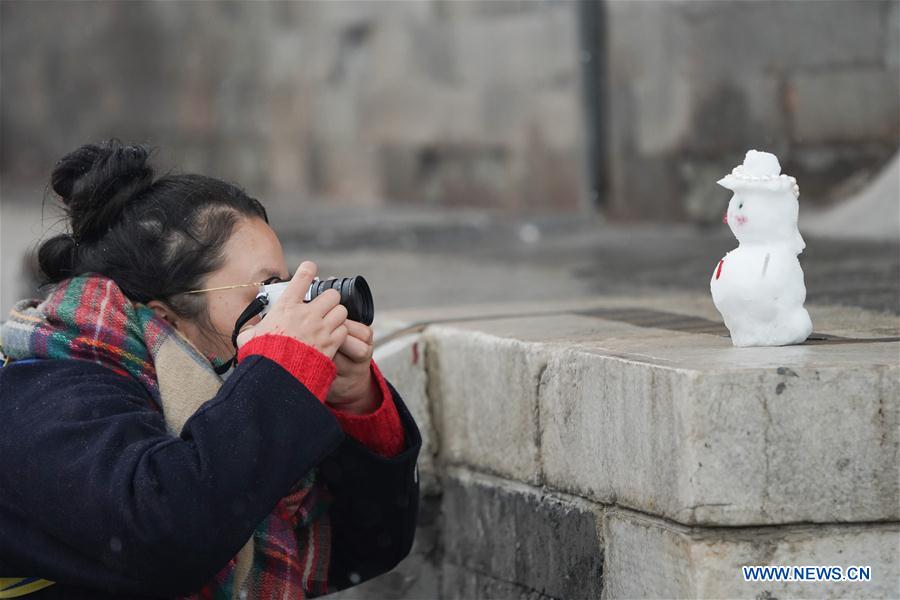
(320, 323)
(354, 389)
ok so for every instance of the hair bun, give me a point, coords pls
(56, 257)
(96, 182)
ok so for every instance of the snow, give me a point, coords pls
(758, 287)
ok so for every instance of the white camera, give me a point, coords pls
(355, 296)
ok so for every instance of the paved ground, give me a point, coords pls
(438, 261)
(420, 259)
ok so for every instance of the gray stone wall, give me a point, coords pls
(461, 103)
(432, 103)
(623, 448)
(694, 84)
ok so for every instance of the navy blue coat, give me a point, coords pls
(98, 497)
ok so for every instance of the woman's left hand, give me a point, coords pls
(354, 389)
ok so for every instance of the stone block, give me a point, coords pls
(510, 532)
(456, 175)
(778, 36)
(402, 361)
(487, 412)
(739, 446)
(651, 558)
(846, 105)
(545, 43)
(415, 115)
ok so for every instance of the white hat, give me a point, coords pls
(762, 171)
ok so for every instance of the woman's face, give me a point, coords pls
(252, 253)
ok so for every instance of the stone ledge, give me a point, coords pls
(623, 401)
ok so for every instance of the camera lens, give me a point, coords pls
(355, 296)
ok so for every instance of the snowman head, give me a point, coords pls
(764, 208)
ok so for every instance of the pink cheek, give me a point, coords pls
(741, 220)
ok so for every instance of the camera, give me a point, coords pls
(355, 296)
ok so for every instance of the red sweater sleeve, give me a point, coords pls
(309, 366)
(381, 430)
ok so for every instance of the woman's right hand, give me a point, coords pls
(319, 323)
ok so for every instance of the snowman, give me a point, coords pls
(758, 287)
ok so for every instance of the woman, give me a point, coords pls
(129, 468)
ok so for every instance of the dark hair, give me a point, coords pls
(155, 238)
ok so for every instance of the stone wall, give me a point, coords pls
(622, 448)
(694, 84)
(432, 103)
(462, 103)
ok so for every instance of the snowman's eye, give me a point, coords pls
(741, 205)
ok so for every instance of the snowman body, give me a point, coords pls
(759, 291)
(758, 287)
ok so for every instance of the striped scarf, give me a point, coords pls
(89, 318)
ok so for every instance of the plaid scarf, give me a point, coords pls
(89, 318)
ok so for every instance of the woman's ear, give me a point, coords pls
(164, 312)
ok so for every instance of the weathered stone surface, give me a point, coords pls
(651, 558)
(752, 456)
(510, 532)
(742, 446)
(636, 408)
(331, 100)
(545, 39)
(650, 92)
(847, 104)
(695, 83)
(313, 90)
(402, 361)
(488, 400)
(777, 35)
